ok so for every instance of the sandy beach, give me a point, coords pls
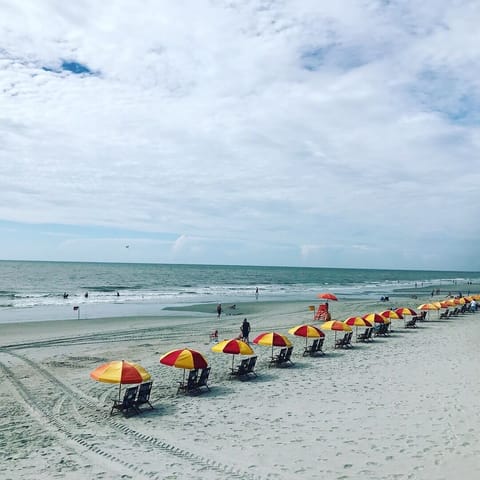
(402, 407)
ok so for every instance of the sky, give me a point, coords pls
(252, 132)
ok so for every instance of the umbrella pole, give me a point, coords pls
(120, 384)
(233, 360)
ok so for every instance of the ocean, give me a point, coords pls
(35, 290)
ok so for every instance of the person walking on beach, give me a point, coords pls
(219, 310)
(245, 330)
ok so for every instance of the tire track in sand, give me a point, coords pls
(85, 441)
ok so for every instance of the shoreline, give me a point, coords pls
(91, 310)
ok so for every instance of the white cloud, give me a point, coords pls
(251, 131)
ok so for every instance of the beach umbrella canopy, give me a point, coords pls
(445, 304)
(184, 358)
(357, 322)
(307, 331)
(336, 326)
(376, 318)
(427, 306)
(233, 347)
(403, 311)
(272, 339)
(121, 372)
(391, 314)
(327, 296)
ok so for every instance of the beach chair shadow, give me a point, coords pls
(127, 404)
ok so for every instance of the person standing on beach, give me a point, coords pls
(245, 330)
(219, 310)
(256, 293)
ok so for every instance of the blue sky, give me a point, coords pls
(268, 133)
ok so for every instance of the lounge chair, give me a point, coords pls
(252, 361)
(341, 342)
(311, 349)
(127, 404)
(190, 386)
(348, 340)
(366, 335)
(445, 313)
(288, 357)
(241, 369)
(411, 323)
(320, 343)
(279, 358)
(382, 330)
(202, 380)
(143, 396)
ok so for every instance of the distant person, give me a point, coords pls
(219, 310)
(86, 294)
(256, 293)
(65, 295)
(118, 293)
(214, 336)
(245, 330)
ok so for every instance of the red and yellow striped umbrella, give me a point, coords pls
(427, 306)
(336, 326)
(121, 372)
(307, 331)
(357, 322)
(272, 339)
(376, 318)
(406, 311)
(233, 347)
(391, 314)
(184, 358)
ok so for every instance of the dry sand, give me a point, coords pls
(402, 407)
